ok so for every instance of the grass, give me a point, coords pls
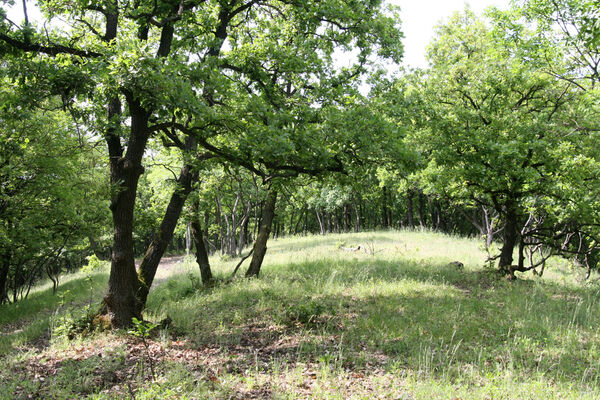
(30, 320)
(400, 323)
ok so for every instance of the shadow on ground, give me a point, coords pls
(357, 314)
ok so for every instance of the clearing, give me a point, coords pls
(400, 323)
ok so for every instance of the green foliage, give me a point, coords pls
(51, 199)
(69, 319)
(306, 312)
(142, 329)
(494, 128)
(94, 263)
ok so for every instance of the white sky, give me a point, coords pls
(419, 17)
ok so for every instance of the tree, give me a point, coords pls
(494, 123)
(51, 200)
(156, 69)
(573, 26)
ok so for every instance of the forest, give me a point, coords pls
(425, 232)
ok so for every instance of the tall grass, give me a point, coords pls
(400, 321)
(30, 319)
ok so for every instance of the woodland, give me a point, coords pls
(151, 152)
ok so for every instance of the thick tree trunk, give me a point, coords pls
(260, 245)
(201, 253)
(123, 285)
(510, 237)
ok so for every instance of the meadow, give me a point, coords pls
(397, 321)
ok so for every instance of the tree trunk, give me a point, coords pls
(384, 209)
(244, 230)
(206, 236)
(356, 218)
(188, 239)
(260, 245)
(201, 253)
(96, 249)
(440, 217)
(422, 205)
(434, 216)
(4, 278)
(509, 240)
(321, 227)
(257, 215)
(123, 284)
(160, 242)
(410, 218)
(291, 225)
(219, 224)
(302, 212)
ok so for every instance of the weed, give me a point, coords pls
(194, 280)
(306, 312)
(141, 330)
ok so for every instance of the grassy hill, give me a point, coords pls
(396, 322)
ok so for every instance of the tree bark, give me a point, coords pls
(4, 278)
(321, 228)
(159, 244)
(206, 235)
(410, 218)
(188, 239)
(422, 214)
(260, 245)
(509, 240)
(384, 209)
(123, 284)
(441, 221)
(96, 249)
(346, 216)
(220, 243)
(201, 253)
(356, 218)
(295, 232)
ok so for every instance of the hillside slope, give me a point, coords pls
(396, 321)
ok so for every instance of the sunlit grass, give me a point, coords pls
(408, 309)
(398, 321)
(29, 319)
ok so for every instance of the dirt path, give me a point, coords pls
(166, 265)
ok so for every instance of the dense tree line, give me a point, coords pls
(132, 129)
